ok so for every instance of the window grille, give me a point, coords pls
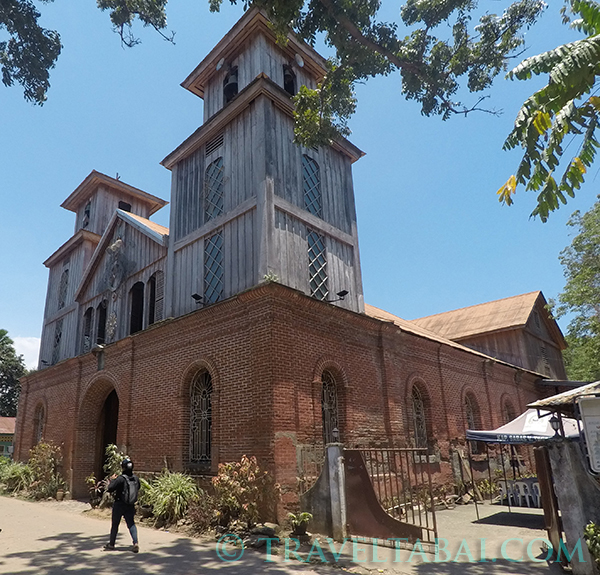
(311, 182)
(317, 266)
(214, 144)
(156, 298)
(57, 338)
(329, 407)
(213, 268)
(86, 214)
(201, 418)
(39, 422)
(213, 190)
(62, 288)
(419, 419)
(471, 416)
(545, 357)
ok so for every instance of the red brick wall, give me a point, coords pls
(266, 350)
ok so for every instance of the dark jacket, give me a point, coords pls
(117, 485)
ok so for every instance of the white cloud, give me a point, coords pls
(29, 347)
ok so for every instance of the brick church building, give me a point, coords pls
(241, 329)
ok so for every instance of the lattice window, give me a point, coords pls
(62, 288)
(213, 190)
(329, 407)
(311, 182)
(201, 418)
(471, 412)
(317, 266)
(39, 423)
(213, 268)
(419, 419)
(57, 339)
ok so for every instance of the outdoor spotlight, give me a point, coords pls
(197, 297)
(336, 435)
(341, 295)
(555, 424)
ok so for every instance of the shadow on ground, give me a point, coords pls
(79, 554)
(514, 519)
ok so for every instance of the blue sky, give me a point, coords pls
(433, 236)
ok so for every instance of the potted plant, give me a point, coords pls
(300, 522)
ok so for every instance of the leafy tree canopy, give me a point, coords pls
(438, 47)
(11, 369)
(581, 296)
(563, 114)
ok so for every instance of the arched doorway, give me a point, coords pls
(97, 426)
(107, 430)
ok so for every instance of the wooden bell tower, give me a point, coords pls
(247, 203)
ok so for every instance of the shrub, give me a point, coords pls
(243, 492)
(112, 460)
(14, 476)
(202, 512)
(45, 460)
(170, 495)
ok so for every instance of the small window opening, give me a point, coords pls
(86, 215)
(230, 85)
(137, 308)
(88, 320)
(289, 80)
(125, 206)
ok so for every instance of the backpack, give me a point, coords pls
(130, 489)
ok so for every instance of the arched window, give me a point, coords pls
(136, 322)
(156, 291)
(472, 419)
(311, 183)
(39, 424)
(62, 288)
(101, 329)
(419, 418)
(508, 411)
(213, 190)
(213, 268)
(289, 80)
(329, 408)
(317, 266)
(201, 418)
(88, 320)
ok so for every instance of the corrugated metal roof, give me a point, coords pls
(7, 424)
(565, 399)
(511, 312)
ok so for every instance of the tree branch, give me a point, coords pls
(357, 35)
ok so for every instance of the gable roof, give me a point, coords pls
(508, 313)
(7, 425)
(156, 232)
(71, 244)
(411, 327)
(94, 179)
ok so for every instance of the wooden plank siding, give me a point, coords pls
(258, 55)
(284, 165)
(104, 202)
(291, 245)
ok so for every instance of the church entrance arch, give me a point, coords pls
(97, 427)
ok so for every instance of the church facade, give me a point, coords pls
(241, 329)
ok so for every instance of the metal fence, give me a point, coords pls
(401, 480)
(310, 464)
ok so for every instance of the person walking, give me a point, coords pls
(125, 488)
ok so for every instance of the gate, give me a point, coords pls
(383, 494)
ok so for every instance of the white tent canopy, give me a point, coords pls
(529, 427)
